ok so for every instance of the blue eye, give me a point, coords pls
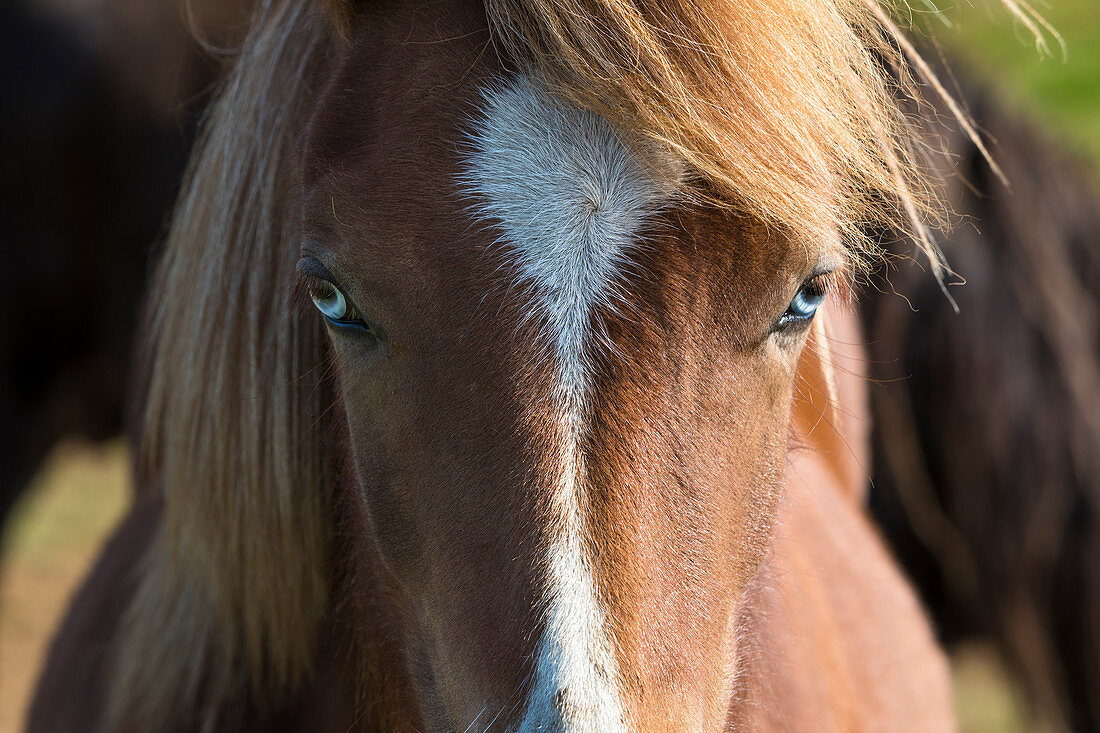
(330, 301)
(334, 305)
(805, 302)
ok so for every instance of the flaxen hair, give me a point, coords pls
(236, 581)
(784, 108)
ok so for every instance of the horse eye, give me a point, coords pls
(332, 303)
(805, 302)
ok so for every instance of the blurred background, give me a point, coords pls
(987, 456)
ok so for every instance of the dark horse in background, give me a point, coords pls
(986, 425)
(987, 421)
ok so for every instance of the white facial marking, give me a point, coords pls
(569, 200)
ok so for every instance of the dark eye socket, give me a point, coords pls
(805, 303)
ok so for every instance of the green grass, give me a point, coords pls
(986, 699)
(79, 492)
(1062, 95)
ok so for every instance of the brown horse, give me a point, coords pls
(479, 394)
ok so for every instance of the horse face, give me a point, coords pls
(565, 391)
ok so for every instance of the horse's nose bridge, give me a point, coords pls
(555, 723)
(569, 200)
(563, 712)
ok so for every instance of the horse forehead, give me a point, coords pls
(566, 196)
(399, 89)
(439, 163)
(499, 162)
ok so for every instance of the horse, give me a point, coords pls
(986, 440)
(489, 383)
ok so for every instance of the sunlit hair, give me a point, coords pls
(235, 583)
(779, 106)
(788, 109)
(785, 108)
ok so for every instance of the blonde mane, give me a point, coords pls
(785, 108)
(235, 584)
(778, 106)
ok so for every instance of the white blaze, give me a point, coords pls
(569, 200)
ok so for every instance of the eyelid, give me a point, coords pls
(356, 325)
(311, 271)
(825, 275)
(312, 267)
(822, 280)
